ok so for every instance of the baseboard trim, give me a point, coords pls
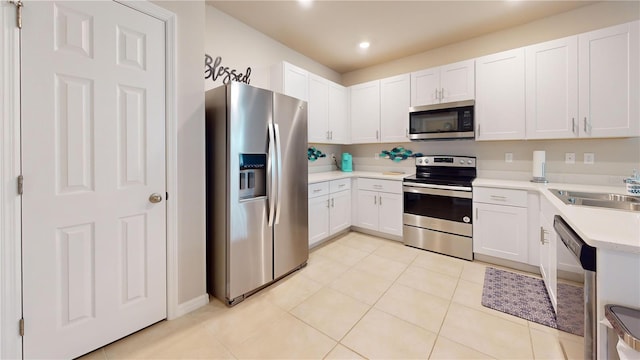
(191, 305)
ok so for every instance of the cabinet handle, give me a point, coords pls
(543, 234)
(377, 134)
(375, 200)
(498, 198)
(476, 213)
(380, 202)
(328, 135)
(317, 190)
(585, 125)
(331, 135)
(327, 202)
(341, 185)
(478, 135)
(332, 203)
(377, 186)
(435, 94)
(441, 94)
(573, 125)
(406, 131)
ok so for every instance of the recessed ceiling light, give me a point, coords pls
(305, 3)
(364, 45)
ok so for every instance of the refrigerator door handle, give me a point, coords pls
(278, 172)
(271, 175)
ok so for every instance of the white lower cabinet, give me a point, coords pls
(329, 209)
(500, 225)
(548, 250)
(379, 205)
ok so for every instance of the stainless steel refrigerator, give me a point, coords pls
(257, 213)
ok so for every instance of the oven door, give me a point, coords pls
(438, 209)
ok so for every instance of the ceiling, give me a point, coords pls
(329, 31)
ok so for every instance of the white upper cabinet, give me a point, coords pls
(318, 115)
(500, 96)
(328, 117)
(452, 82)
(608, 83)
(290, 80)
(338, 114)
(552, 89)
(394, 108)
(365, 112)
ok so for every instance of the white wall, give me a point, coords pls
(190, 148)
(241, 46)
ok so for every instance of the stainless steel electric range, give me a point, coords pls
(438, 205)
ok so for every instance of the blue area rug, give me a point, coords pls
(526, 297)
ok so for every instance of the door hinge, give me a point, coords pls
(21, 327)
(19, 6)
(20, 184)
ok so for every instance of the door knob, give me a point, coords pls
(155, 198)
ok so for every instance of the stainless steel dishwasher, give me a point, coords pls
(586, 256)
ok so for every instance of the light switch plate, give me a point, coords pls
(589, 158)
(570, 158)
(508, 157)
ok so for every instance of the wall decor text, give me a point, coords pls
(214, 70)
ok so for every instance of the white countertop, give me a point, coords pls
(601, 228)
(335, 175)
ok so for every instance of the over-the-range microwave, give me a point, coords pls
(447, 121)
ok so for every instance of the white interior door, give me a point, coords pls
(93, 120)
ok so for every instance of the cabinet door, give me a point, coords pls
(548, 261)
(500, 231)
(425, 85)
(367, 209)
(296, 82)
(394, 108)
(457, 81)
(318, 219)
(340, 211)
(609, 73)
(500, 96)
(318, 115)
(338, 114)
(390, 214)
(365, 112)
(552, 89)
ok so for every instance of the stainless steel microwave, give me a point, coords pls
(446, 121)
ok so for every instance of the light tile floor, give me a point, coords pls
(359, 297)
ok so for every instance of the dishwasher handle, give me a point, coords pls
(585, 253)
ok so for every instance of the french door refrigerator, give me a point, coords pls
(256, 146)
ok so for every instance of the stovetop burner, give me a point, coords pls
(457, 171)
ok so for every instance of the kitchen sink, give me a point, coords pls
(603, 200)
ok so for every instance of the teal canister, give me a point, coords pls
(347, 163)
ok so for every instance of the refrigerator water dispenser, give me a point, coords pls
(253, 176)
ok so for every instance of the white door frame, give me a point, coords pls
(10, 169)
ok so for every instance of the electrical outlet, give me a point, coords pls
(570, 158)
(589, 158)
(508, 157)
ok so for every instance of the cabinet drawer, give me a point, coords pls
(389, 186)
(340, 185)
(509, 197)
(318, 189)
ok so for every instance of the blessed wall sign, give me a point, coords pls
(215, 70)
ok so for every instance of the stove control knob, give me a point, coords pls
(419, 161)
(469, 162)
(426, 161)
(462, 162)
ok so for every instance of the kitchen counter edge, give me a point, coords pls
(601, 228)
(336, 175)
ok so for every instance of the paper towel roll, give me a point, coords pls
(538, 163)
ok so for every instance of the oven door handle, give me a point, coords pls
(438, 192)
